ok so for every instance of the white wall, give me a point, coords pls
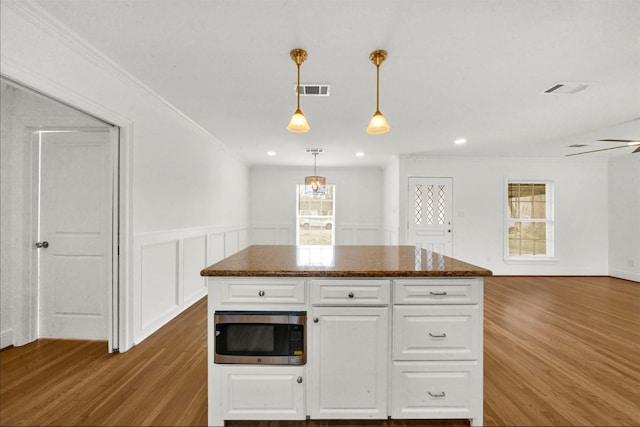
(581, 213)
(624, 217)
(391, 201)
(180, 184)
(358, 204)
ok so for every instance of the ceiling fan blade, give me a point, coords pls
(594, 151)
(621, 140)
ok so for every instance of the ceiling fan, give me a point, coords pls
(629, 143)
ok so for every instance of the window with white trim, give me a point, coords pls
(529, 219)
(316, 216)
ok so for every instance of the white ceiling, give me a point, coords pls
(471, 69)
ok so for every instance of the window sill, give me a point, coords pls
(530, 260)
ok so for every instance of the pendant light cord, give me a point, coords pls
(377, 87)
(298, 87)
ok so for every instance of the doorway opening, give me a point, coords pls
(59, 221)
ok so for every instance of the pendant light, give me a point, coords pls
(298, 123)
(378, 123)
(315, 184)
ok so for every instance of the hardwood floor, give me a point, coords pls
(558, 351)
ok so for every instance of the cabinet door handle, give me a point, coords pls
(261, 293)
(350, 294)
(299, 380)
(437, 293)
(316, 320)
(443, 335)
(441, 394)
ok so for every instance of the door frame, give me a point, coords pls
(42, 84)
(113, 294)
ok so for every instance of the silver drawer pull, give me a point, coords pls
(438, 294)
(436, 394)
(443, 335)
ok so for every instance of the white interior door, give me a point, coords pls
(429, 214)
(75, 270)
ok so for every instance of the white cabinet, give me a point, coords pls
(261, 392)
(349, 356)
(348, 362)
(437, 349)
(376, 347)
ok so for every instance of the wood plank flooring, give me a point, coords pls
(558, 351)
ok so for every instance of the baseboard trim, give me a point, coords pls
(6, 338)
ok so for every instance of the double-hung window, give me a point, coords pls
(529, 220)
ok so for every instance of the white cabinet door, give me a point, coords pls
(262, 392)
(349, 362)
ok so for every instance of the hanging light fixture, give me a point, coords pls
(378, 123)
(298, 123)
(314, 184)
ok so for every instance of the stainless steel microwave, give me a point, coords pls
(260, 337)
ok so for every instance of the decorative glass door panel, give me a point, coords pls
(430, 214)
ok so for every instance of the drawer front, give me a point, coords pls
(438, 291)
(259, 291)
(350, 292)
(436, 333)
(436, 390)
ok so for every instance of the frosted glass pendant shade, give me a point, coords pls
(378, 124)
(298, 123)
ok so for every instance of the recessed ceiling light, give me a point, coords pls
(271, 153)
(359, 154)
(460, 141)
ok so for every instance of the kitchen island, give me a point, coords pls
(394, 331)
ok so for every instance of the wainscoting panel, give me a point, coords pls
(273, 234)
(265, 236)
(348, 234)
(231, 243)
(159, 282)
(194, 256)
(167, 267)
(286, 236)
(215, 250)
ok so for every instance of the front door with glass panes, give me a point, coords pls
(316, 217)
(429, 214)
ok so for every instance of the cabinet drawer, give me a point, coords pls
(436, 333)
(436, 390)
(258, 291)
(350, 292)
(438, 291)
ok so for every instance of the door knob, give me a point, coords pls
(43, 245)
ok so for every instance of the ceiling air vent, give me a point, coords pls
(311, 89)
(567, 88)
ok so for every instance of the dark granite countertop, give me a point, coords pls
(340, 261)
